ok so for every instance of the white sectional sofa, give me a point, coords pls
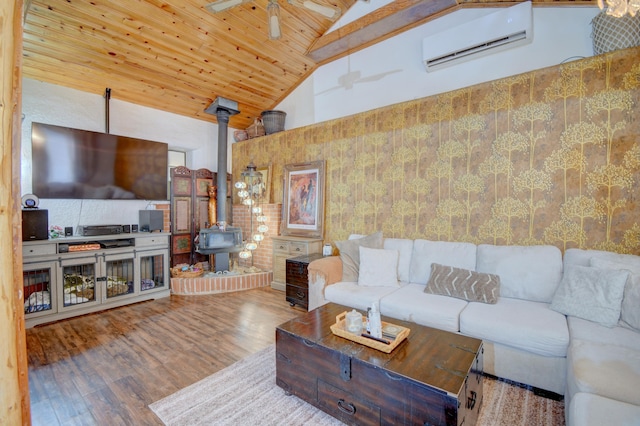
(595, 367)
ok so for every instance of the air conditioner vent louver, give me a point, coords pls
(486, 35)
(476, 49)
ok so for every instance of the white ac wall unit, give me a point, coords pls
(489, 34)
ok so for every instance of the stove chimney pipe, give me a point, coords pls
(222, 108)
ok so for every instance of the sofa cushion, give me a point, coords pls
(587, 409)
(526, 272)
(593, 332)
(405, 250)
(463, 284)
(356, 296)
(630, 313)
(350, 254)
(605, 370)
(411, 303)
(522, 324)
(583, 257)
(591, 293)
(378, 267)
(425, 252)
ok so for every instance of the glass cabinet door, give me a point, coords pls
(119, 277)
(79, 283)
(39, 295)
(153, 268)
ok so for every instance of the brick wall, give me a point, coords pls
(166, 212)
(262, 257)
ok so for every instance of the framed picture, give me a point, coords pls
(303, 199)
(265, 185)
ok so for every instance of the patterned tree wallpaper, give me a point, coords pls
(547, 157)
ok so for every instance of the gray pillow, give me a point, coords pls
(590, 293)
(630, 313)
(463, 284)
(350, 254)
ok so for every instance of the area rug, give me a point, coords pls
(246, 393)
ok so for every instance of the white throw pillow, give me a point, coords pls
(590, 293)
(378, 267)
(630, 314)
(350, 255)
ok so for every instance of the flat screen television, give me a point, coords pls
(79, 164)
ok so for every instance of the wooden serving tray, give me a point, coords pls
(339, 329)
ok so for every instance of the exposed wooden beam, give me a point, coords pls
(14, 397)
(399, 16)
(376, 26)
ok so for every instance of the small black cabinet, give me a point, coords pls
(298, 280)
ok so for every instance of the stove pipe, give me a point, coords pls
(222, 108)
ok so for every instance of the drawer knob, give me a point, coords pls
(300, 294)
(346, 407)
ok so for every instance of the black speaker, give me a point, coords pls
(151, 220)
(35, 224)
(134, 228)
(126, 229)
(68, 231)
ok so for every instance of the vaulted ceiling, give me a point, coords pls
(176, 56)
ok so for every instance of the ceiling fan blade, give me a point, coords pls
(376, 77)
(326, 10)
(222, 5)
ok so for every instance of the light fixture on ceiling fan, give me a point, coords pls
(273, 11)
(273, 14)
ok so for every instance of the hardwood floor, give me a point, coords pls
(106, 368)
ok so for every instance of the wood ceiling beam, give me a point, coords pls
(383, 23)
(399, 16)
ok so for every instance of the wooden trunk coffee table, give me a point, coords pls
(432, 378)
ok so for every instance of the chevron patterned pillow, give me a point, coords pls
(463, 284)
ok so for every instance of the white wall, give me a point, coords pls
(61, 106)
(558, 34)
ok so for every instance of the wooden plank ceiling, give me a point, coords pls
(174, 55)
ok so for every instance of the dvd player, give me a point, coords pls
(99, 230)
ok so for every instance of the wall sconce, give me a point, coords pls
(273, 14)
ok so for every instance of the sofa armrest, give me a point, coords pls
(322, 272)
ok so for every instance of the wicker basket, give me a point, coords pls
(194, 271)
(256, 129)
(240, 135)
(273, 121)
(611, 33)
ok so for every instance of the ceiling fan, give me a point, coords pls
(273, 11)
(348, 80)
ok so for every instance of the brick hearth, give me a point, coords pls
(220, 284)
